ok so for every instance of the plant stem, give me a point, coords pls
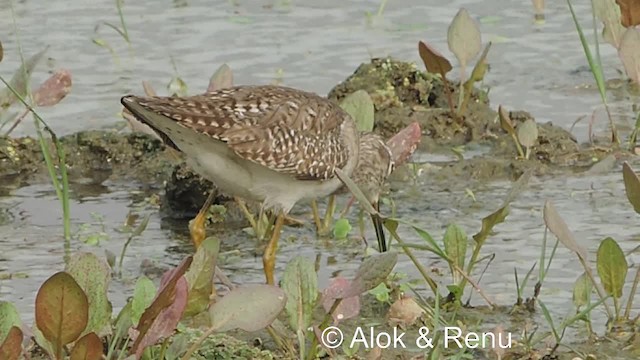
(432, 284)
(632, 294)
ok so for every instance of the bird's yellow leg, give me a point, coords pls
(269, 256)
(316, 215)
(196, 226)
(247, 214)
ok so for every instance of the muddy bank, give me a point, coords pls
(401, 92)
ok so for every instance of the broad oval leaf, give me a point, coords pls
(404, 312)
(631, 186)
(433, 60)
(249, 308)
(455, 246)
(630, 12)
(612, 267)
(62, 310)
(54, 89)
(11, 346)
(630, 53)
(464, 39)
(582, 290)
(528, 133)
(200, 276)
(93, 274)
(143, 295)
(9, 318)
(360, 106)
(221, 79)
(89, 347)
(348, 307)
(371, 273)
(403, 144)
(559, 228)
(300, 284)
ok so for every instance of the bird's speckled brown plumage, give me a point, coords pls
(286, 130)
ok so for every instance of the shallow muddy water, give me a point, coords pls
(311, 45)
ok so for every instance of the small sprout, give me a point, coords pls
(507, 125)
(528, 135)
(341, 228)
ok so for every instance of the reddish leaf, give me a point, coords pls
(348, 307)
(630, 11)
(54, 89)
(62, 310)
(404, 143)
(168, 304)
(89, 347)
(11, 348)
(433, 60)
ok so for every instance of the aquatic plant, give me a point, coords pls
(49, 93)
(464, 40)
(122, 31)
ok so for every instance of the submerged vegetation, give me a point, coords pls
(186, 316)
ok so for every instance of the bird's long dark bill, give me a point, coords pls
(377, 224)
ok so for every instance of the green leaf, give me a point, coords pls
(249, 308)
(631, 186)
(300, 284)
(143, 295)
(93, 274)
(582, 290)
(612, 267)
(341, 228)
(200, 276)
(489, 222)
(177, 87)
(360, 106)
(9, 317)
(455, 245)
(381, 292)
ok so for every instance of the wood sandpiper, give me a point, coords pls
(270, 144)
